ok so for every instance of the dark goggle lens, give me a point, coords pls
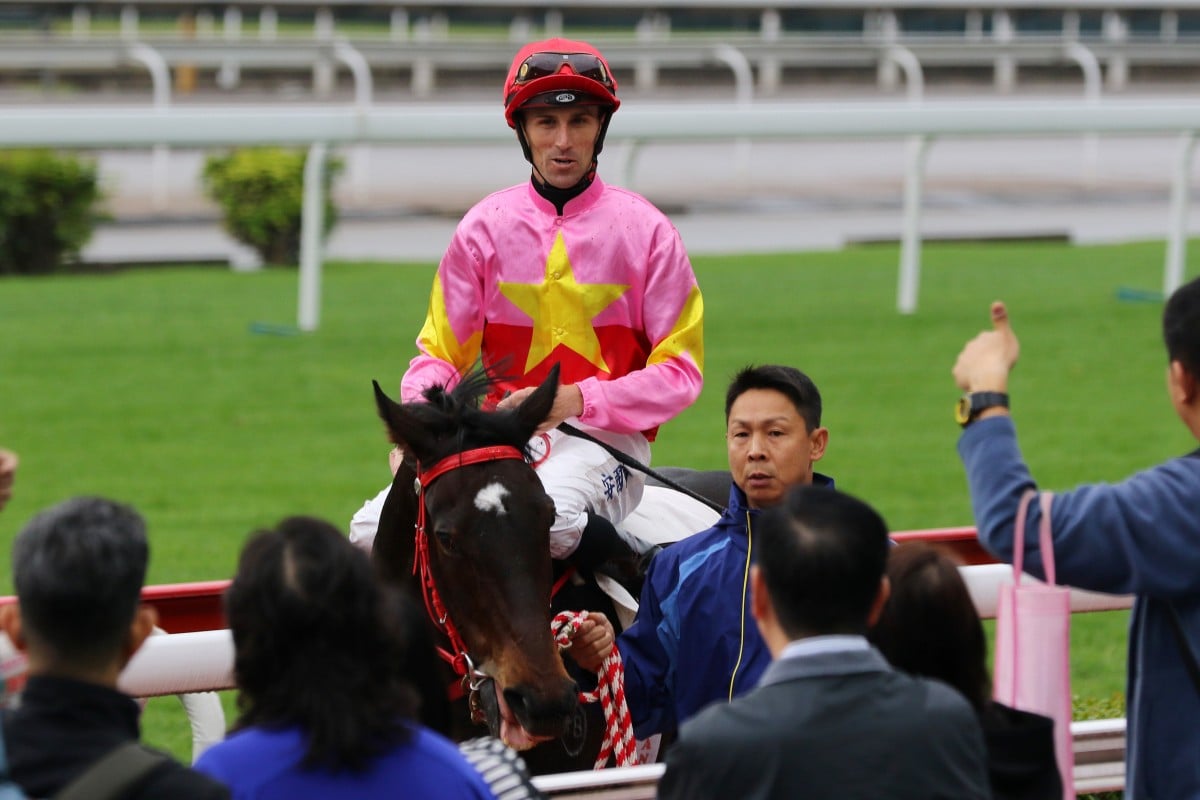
(539, 65)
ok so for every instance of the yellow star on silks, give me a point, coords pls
(562, 310)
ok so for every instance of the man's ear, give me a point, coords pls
(760, 601)
(1183, 383)
(819, 439)
(140, 629)
(10, 623)
(881, 598)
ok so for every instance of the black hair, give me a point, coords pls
(1181, 326)
(788, 381)
(318, 644)
(78, 568)
(821, 554)
(929, 625)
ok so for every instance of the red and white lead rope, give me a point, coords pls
(610, 691)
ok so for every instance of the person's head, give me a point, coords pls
(772, 431)
(78, 568)
(1181, 334)
(559, 97)
(318, 643)
(819, 566)
(929, 626)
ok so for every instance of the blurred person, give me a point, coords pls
(78, 568)
(8, 475)
(1139, 536)
(829, 718)
(693, 641)
(326, 709)
(929, 627)
(567, 270)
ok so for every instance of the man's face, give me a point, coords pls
(770, 447)
(562, 142)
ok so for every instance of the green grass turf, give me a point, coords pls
(151, 386)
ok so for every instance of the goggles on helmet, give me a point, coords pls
(585, 65)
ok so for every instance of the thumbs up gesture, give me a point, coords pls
(985, 361)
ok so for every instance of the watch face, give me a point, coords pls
(962, 411)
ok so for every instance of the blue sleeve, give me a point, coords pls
(648, 663)
(1137, 536)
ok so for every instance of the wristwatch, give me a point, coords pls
(971, 404)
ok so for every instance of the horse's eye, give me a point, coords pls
(445, 537)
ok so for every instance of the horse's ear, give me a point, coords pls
(404, 429)
(536, 407)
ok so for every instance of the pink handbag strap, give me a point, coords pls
(1044, 541)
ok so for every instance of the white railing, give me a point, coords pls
(921, 122)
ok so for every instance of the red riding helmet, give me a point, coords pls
(558, 72)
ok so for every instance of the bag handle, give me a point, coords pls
(1045, 542)
(1019, 535)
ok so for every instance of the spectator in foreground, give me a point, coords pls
(1140, 536)
(830, 718)
(78, 568)
(325, 709)
(929, 627)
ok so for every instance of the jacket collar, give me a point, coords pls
(737, 508)
(576, 205)
(818, 665)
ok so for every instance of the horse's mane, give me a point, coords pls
(456, 416)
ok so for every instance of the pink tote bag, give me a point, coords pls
(1033, 642)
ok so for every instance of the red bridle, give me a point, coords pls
(458, 659)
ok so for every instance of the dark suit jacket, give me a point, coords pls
(834, 725)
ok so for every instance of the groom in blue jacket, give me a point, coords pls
(694, 640)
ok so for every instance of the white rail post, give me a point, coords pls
(81, 21)
(770, 70)
(910, 243)
(398, 24)
(1090, 66)
(129, 22)
(1005, 69)
(423, 73)
(1116, 29)
(744, 86)
(323, 77)
(888, 30)
(230, 73)
(1173, 269)
(160, 79)
(312, 223)
(268, 24)
(360, 70)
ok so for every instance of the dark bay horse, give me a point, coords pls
(466, 527)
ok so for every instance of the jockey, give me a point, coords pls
(565, 269)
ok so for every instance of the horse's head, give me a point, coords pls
(486, 526)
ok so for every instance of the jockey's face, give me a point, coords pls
(770, 446)
(562, 142)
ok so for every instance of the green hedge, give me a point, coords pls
(49, 206)
(260, 191)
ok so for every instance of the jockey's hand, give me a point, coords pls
(568, 402)
(593, 642)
